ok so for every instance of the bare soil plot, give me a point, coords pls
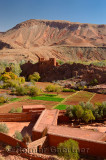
(99, 127)
(7, 107)
(16, 126)
(65, 94)
(81, 96)
(98, 98)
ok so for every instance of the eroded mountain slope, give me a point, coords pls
(61, 39)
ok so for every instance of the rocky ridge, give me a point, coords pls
(63, 40)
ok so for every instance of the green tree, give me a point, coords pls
(16, 69)
(88, 116)
(68, 150)
(79, 111)
(34, 77)
(4, 128)
(18, 135)
(70, 112)
(100, 110)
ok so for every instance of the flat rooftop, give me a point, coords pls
(33, 107)
(76, 133)
(46, 119)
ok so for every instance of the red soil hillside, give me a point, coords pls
(61, 39)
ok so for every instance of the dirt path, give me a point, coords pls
(62, 102)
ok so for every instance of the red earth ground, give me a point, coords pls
(98, 98)
(23, 127)
(7, 107)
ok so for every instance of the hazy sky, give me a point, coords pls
(13, 12)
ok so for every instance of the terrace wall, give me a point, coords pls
(19, 117)
(87, 147)
(11, 141)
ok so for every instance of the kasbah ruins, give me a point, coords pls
(46, 133)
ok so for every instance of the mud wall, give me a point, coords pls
(18, 117)
(11, 141)
(92, 148)
(42, 66)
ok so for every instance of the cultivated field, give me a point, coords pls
(52, 100)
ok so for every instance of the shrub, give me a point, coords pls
(53, 88)
(3, 99)
(60, 62)
(17, 110)
(34, 91)
(21, 90)
(18, 136)
(100, 63)
(94, 82)
(68, 150)
(12, 110)
(80, 87)
(34, 77)
(1, 87)
(68, 90)
(11, 84)
(8, 76)
(4, 128)
(5, 77)
(8, 148)
(21, 79)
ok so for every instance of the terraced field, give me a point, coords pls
(53, 101)
(80, 96)
(98, 98)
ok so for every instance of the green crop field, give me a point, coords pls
(47, 98)
(61, 107)
(14, 99)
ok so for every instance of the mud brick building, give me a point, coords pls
(41, 66)
(90, 143)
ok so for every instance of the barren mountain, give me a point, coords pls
(64, 40)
